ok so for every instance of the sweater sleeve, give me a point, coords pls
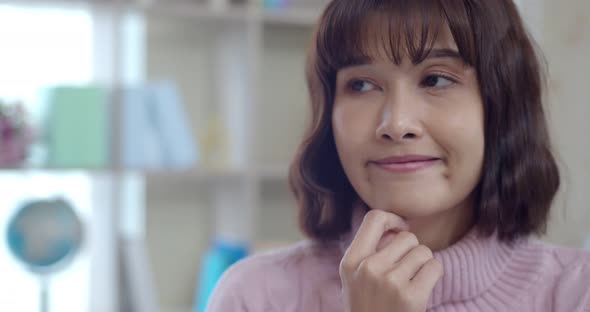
(239, 289)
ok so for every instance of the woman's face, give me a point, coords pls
(410, 137)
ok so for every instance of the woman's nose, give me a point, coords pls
(400, 120)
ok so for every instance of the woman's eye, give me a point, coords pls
(436, 81)
(359, 85)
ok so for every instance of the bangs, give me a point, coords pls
(356, 31)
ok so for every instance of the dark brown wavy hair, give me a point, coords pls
(520, 175)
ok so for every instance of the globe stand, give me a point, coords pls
(44, 293)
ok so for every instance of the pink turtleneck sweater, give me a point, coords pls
(480, 275)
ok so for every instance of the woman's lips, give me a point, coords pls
(406, 164)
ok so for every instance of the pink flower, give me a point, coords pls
(15, 135)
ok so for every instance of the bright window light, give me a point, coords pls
(41, 47)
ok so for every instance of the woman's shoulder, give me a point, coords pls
(296, 258)
(569, 269)
(250, 283)
(563, 257)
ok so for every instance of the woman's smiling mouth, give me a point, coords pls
(406, 163)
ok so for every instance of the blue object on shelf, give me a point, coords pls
(216, 260)
(155, 130)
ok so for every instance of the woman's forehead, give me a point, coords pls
(392, 33)
(381, 44)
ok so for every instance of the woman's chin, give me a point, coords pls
(409, 211)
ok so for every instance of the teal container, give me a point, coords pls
(220, 256)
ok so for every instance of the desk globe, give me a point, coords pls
(45, 235)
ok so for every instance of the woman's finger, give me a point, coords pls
(364, 244)
(427, 277)
(408, 266)
(396, 249)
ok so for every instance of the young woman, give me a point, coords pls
(425, 174)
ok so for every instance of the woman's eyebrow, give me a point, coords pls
(365, 60)
(434, 53)
(358, 61)
(442, 53)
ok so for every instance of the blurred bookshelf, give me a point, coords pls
(239, 69)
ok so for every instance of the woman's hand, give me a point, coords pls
(398, 275)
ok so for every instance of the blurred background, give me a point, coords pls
(144, 144)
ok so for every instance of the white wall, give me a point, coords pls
(566, 44)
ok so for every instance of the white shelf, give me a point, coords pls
(271, 172)
(267, 172)
(46, 170)
(183, 9)
(184, 309)
(65, 3)
(198, 174)
(299, 17)
(179, 9)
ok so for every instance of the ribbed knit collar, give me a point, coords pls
(478, 270)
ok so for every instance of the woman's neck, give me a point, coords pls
(442, 230)
(437, 232)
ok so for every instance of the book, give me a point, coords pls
(77, 131)
(156, 133)
(175, 135)
(140, 148)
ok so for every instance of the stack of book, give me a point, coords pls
(140, 127)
